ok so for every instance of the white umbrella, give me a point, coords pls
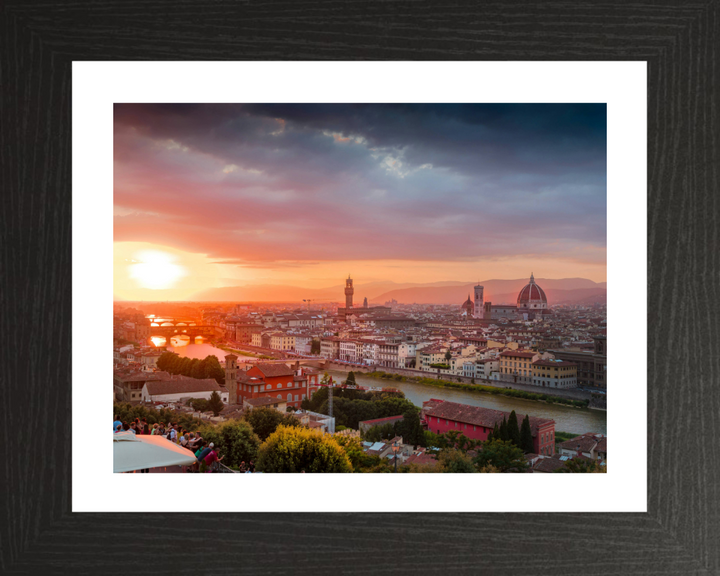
(131, 452)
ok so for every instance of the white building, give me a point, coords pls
(179, 387)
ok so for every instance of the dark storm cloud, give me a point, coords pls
(308, 182)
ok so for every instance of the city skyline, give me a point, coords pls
(211, 196)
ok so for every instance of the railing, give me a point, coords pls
(220, 467)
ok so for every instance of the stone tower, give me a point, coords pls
(365, 304)
(349, 291)
(479, 311)
(231, 369)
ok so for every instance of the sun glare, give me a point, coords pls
(156, 270)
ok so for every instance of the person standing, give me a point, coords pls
(116, 423)
(211, 458)
(203, 455)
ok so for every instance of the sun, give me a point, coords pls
(156, 270)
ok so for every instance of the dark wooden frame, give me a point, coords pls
(680, 534)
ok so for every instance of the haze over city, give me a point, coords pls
(280, 198)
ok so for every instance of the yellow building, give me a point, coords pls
(554, 374)
(280, 341)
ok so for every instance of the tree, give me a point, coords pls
(495, 434)
(350, 379)
(315, 347)
(526, 441)
(215, 403)
(292, 449)
(199, 404)
(410, 428)
(382, 432)
(234, 440)
(266, 420)
(513, 429)
(455, 461)
(504, 435)
(212, 369)
(198, 370)
(503, 456)
(448, 356)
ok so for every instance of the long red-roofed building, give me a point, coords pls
(477, 422)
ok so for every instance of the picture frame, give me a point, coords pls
(680, 531)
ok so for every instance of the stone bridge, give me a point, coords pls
(182, 330)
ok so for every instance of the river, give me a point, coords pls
(182, 347)
(577, 420)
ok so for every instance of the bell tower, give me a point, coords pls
(349, 291)
(231, 368)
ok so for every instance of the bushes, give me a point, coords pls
(264, 421)
(235, 440)
(291, 449)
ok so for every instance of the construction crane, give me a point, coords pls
(308, 302)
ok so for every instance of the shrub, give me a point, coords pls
(291, 449)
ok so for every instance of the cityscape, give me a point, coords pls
(239, 346)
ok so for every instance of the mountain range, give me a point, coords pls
(558, 291)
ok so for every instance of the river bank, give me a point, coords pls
(567, 418)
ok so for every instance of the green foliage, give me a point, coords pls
(457, 440)
(382, 432)
(199, 404)
(352, 445)
(448, 355)
(582, 466)
(440, 366)
(353, 406)
(265, 421)
(351, 379)
(504, 435)
(501, 455)
(526, 441)
(455, 461)
(234, 440)
(127, 412)
(433, 440)
(410, 428)
(564, 436)
(215, 403)
(513, 429)
(292, 449)
(192, 367)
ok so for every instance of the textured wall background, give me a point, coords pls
(681, 531)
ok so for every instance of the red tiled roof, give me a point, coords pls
(273, 370)
(377, 421)
(549, 464)
(262, 401)
(479, 416)
(182, 386)
(515, 354)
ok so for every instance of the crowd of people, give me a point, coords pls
(205, 453)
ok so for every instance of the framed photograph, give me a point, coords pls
(173, 177)
(262, 187)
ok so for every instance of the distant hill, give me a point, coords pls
(566, 290)
(282, 293)
(563, 291)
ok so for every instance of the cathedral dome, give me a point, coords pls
(532, 296)
(468, 305)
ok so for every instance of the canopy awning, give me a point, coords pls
(131, 452)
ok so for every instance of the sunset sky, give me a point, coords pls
(220, 195)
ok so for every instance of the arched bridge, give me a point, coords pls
(182, 330)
